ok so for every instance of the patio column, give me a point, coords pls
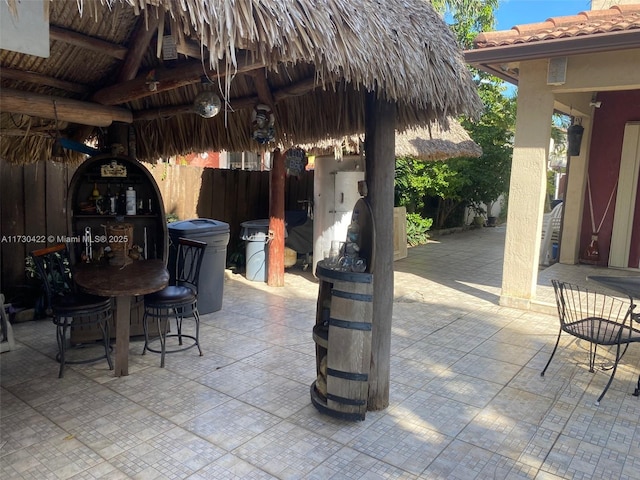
(577, 171)
(528, 186)
(380, 140)
(275, 267)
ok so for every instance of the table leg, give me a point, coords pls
(123, 319)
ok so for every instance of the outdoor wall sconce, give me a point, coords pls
(574, 139)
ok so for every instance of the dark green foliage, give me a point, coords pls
(417, 228)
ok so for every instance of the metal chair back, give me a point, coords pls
(53, 268)
(188, 262)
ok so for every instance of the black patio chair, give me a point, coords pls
(177, 301)
(599, 319)
(69, 308)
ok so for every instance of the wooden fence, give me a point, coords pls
(33, 200)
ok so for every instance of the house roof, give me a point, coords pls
(615, 28)
(311, 62)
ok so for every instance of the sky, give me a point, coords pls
(517, 12)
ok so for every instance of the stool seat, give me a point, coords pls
(178, 301)
(69, 308)
(75, 303)
(170, 295)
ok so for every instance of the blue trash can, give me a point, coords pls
(216, 235)
(255, 233)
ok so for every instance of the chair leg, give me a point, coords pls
(196, 317)
(636, 392)
(552, 354)
(163, 337)
(592, 356)
(61, 335)
(179, 313)
(145, 328)
(107, 341)
(613, 373)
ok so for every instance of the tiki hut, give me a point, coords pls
(309, 63)
(424, 143)
(127, 74)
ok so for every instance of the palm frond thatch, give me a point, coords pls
(317, 59)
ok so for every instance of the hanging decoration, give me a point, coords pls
(262, 124)
(574, 138)
(207, 103)
(295, 161)
(591, 254)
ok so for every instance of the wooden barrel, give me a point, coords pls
(349, 346)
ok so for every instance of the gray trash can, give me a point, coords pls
(255, 233)
(216, 236)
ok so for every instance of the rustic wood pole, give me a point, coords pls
(380, 118)
(275, 270)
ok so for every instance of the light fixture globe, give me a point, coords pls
(207, 104)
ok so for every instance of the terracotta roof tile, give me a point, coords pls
(590, 22)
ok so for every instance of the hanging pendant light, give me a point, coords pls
(207, 103)
(574, 139)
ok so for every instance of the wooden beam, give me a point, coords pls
(18, 132)
(164, 112)
(239, 103)
(380, 118)
(167, 79)
(140, 41)
(275, 268)
(262, 87)
(296, 89)
(190, 49)
(61, 109)
(90, 43)
(39, 79)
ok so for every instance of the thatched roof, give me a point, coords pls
(424, 143)
(311, 61)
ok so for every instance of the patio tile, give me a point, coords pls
(463, 461)
(412, 447)
(350, 464)
(430, 411)
(230, 467)
(457, 386)
(287, 451)
(466, 398)
(231, 424)
(281, 396)
(25, 429)
(236, 379)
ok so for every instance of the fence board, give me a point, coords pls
(12, 251)
(33, 201)
(56, 187)
(35, 221)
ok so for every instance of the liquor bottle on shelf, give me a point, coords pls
(122, 202)
(131, 201)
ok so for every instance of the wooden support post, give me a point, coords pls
(275, 270)
(380, 119)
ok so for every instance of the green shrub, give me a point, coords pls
(417, 228)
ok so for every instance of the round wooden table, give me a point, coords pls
(122, 283)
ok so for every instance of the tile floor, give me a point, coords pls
(466, 399)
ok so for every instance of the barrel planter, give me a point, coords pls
(343, 343)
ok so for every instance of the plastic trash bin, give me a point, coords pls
(255, 233)
(211, 281)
